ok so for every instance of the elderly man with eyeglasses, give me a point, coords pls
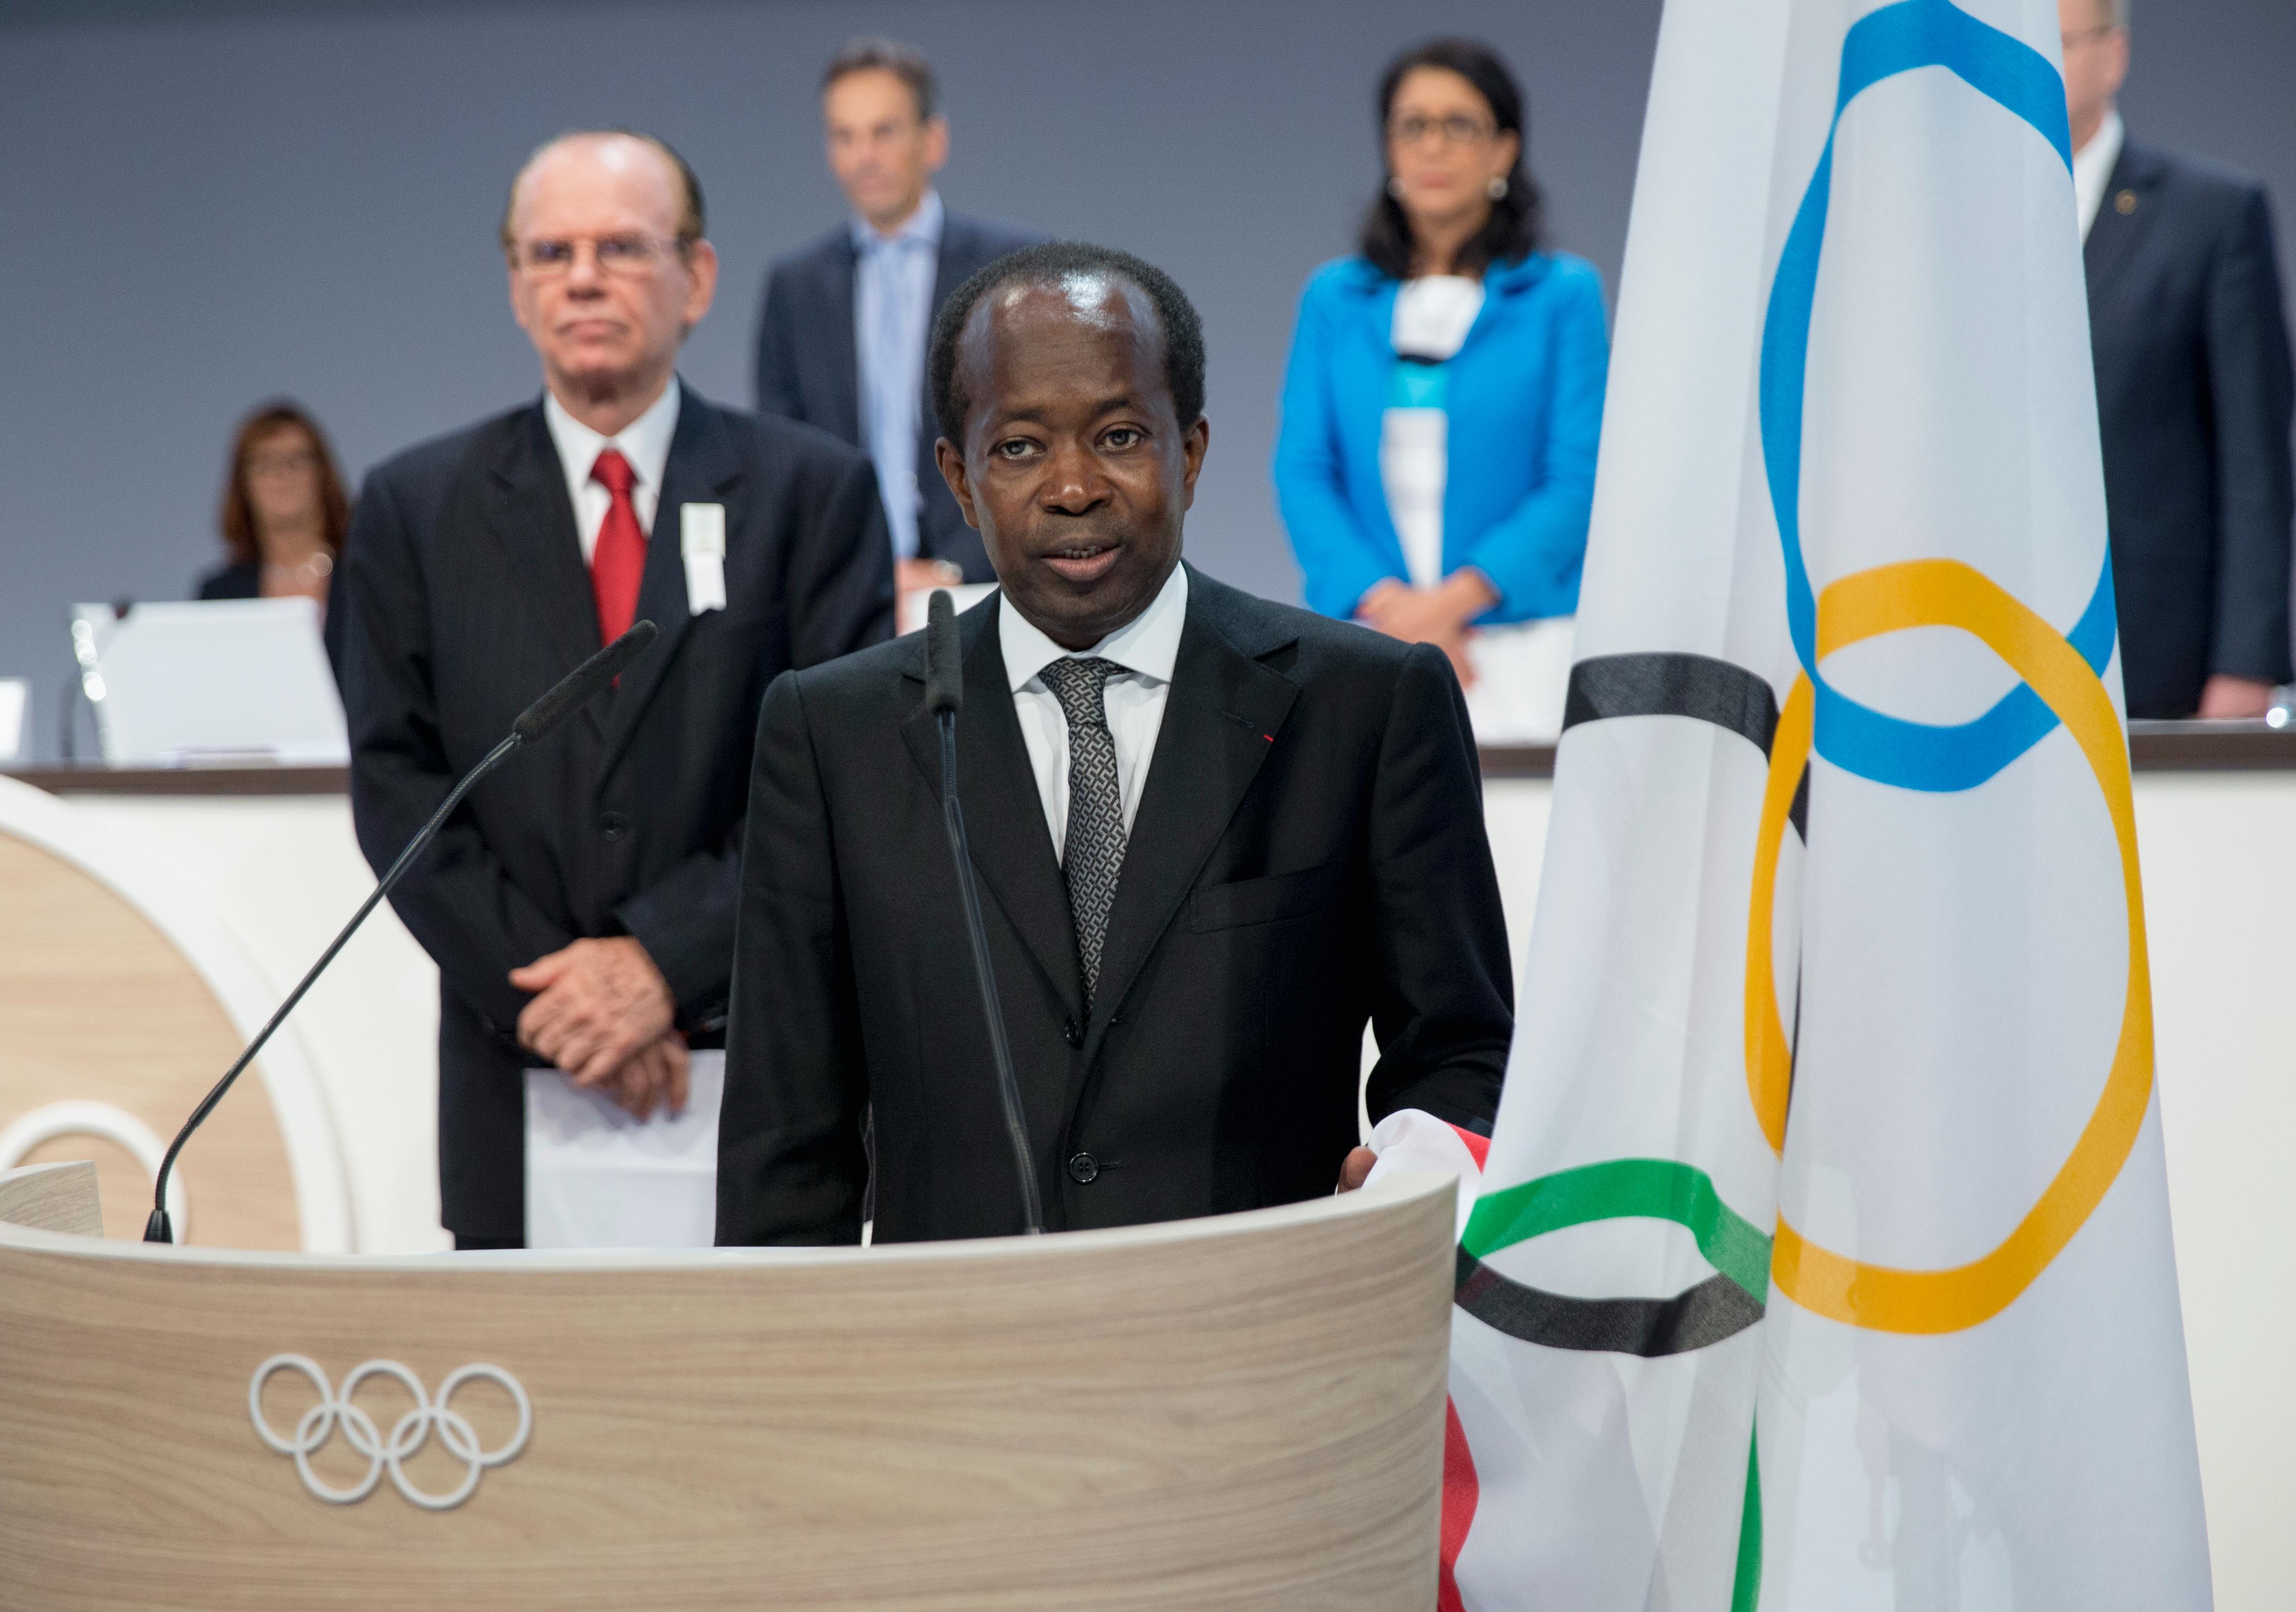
(580, 906)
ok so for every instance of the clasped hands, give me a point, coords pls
(1438, 615)
(603, 1013)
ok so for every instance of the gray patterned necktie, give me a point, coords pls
(1094, 851)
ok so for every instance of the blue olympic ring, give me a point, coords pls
(1891, 749)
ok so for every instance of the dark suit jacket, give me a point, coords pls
(807, 368)
(464, 596)
(1309, 852)
(234, 579)
(2192, 394)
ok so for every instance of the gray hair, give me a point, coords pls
(692, 219)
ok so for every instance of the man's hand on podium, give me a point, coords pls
(2225, 697)
(1354, 1168)
(598, 1005)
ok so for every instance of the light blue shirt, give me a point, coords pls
(892, 310)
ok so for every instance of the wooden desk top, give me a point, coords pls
(2154, 747)
(98, 779)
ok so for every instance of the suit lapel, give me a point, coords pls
(529, 514)
(1004, 817)
(2113, 234)
(843, 344)
(702, 468)
(952, 267)
(953, 264)
(1221, 719)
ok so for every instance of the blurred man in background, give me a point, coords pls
(841, 343)
(2192, 394)
(580, 905)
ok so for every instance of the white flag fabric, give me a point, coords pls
(1822, 1255)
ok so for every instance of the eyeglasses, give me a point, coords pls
(1457, 130)
(293, 461)
(628, 256)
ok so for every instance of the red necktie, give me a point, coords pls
(618, 562)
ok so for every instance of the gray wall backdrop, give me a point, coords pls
(206, 202)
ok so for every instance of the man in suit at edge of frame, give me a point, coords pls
(1213, 836)
(2194, 397)
(580, 904)
(842, 335)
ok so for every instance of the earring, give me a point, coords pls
(1395, 189)
(1498, 187)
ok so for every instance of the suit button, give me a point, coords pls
(613, 825)
(1084, 1169)
(1073, 1033)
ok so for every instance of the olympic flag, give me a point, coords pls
(1821, 1258)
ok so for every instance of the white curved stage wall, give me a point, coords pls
(250, 887)
(168, 931)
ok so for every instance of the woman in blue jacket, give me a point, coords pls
(1436, 463)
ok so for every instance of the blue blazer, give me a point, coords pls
(1525, 400)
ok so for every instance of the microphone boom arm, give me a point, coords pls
(945, 697)
(159, 1228)
(568, 695)
(1016, 1124)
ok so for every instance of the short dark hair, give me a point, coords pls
(692, 220)
(871, 53)
(1055, 260)
(1513, 231)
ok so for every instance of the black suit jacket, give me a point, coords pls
(234, 579)
(809, 370)
(2192, 393)
(464, 596)
(1309, 852)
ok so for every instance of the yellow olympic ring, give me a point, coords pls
(1888, 599)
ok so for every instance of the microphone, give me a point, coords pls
(566, 697)
(945, 697)
(579, 686)
(943, 656)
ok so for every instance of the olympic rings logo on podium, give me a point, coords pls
(407, 1434)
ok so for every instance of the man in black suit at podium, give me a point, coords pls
(580, 905)
(841, 340)
(1214, 836)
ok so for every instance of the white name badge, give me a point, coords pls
(701, 540)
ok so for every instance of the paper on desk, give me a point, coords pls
(1412, 1138)
(597, 1178)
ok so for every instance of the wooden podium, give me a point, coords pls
(1245, 1411)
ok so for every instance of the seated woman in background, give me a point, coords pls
(283, 512)
(1436, 462)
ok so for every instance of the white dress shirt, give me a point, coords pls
(644, 442)
(2093, 168)
(892, 311)
(1432, 316)
(1145, 648)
